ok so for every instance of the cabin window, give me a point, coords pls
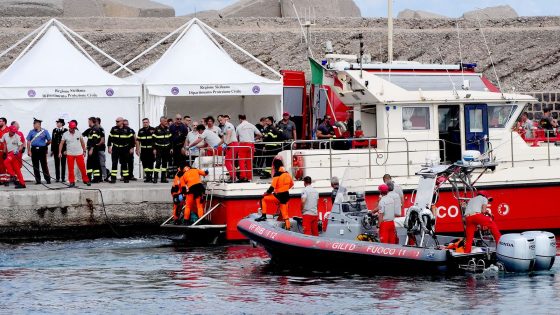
(499, 115)
(475, 120)
(416, 118)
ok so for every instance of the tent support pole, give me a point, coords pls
(45, 27)
(79, 46)
(94, 47)
(23, 40)
(186, 25)
(240, 49)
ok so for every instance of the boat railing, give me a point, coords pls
(399, 153)
(548, 140)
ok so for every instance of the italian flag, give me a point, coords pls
(319, 74)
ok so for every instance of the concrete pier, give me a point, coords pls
(38, 212)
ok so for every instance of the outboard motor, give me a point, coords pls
(545, 249)
(516, 252)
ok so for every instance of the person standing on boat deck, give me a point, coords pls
(287, 128)
(476, 214)
(335, 184)
(162, 149)
(210, 125)
(271, 137)
(325, 129)
(177, 195)
(396, 187)
(309, 200)
(386, 214)
(396, 199)
(192, 187)
(526, 126)
(38, 140)
(59, 162)
(144, 149)
(548, 123)
(231, 147)
(278, 193)
(247, 133)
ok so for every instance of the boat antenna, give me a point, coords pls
(305, 32)
(448, 74)
(460, 51)
(389, 31)
(361, 38)
(489, 53)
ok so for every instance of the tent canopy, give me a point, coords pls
(54, 68)
(196, 65)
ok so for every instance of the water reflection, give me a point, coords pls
(152, 276)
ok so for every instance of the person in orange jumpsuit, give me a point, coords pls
(177, 195)
(278, 193)
(192, 187)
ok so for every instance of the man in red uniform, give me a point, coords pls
(476, 214)
(386, 214)
(13, 148)
(4, 176)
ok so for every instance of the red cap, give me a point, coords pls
(286, 114)
(13, 129)
(72, 125)
(383, 188)
(484, 193)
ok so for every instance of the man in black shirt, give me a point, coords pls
(161, 149)
(121, 145)
(548, 123)
(59, 162)
(95, 139)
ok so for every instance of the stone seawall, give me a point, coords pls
(37, 212)
(525, 50)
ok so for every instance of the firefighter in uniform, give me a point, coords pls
(144, 149)
(121, 145)
(161, 149)
(95, 139)
(278, 193)
(270, 135)
(192, 187)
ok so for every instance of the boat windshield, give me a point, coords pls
(499, 115)
(352, 186)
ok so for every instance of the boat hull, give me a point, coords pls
(294, 249)
(516, 207)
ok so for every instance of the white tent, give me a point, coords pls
(197, 77)
(54, 78)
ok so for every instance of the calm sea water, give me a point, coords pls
(152, 276)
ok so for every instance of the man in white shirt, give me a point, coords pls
(396, 187)
(396, 199)
(210, 125)
(476, 214)
(192, 136)
(212, 140)
(75, 151)
(386, 214)
(246, 132)
(309, 201)
(230, 151)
